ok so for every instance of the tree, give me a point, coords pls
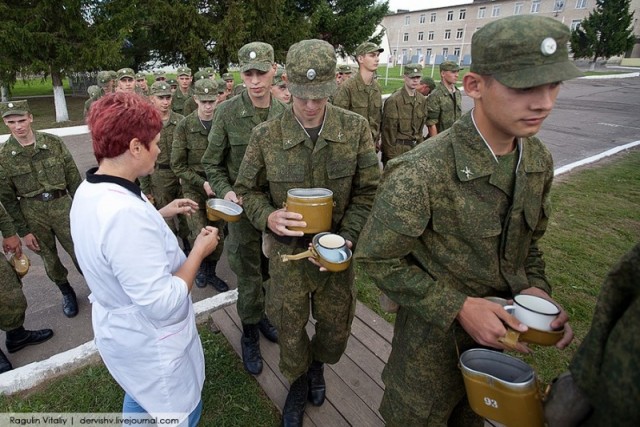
(606, 32)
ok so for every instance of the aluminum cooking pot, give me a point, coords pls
(329, 249)
(315, 205)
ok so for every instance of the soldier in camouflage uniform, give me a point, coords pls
(126, 80)
(142, 87)
(229, 83)
(280, 88)
(189, 144)
(105, 83)
(459, 219)
(13, 304)
(163, 186)
(404, 116)
(160, 76)
(444, 105)
(184, 90)
(362, 94)
(343, 73)
(38, 178)
(228, 141)
(190, 104)
(311, 144)
(426, 86)
(603, 384)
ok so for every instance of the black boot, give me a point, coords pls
(268, 330)
(251, 357)
(317, 387)
(19, 338)
(219, 284)
(5, 365)
(69, 301)
(201, 275)
(186, 246)
(293, 411)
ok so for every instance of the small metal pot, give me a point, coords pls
(220, 209)
(329, 249)
(20, 264)
(315, 205)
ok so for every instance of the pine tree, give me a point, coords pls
(606, 32)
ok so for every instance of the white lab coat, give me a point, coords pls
(143, 318)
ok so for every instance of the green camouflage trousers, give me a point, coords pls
(13, 304)
(165, 187)
(423, 384)
(244, 247)
(293, 287)
(48, 221)
(198, 220)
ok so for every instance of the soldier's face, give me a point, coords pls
(258, 82)
(310, 112)
(229, 84)
(142, 83)
(205, 108)
(339, 78)
(19, 125)
(184, 81)
(423, 89)
(411, 83)
(450, 77)
(281, 92)
(162, 103)
(126, 84)
(369, 61)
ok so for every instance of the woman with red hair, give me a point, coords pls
(140, 280)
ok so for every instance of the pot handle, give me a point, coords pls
(302, 255)
(510, 339)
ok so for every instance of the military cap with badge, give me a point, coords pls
(413, 70)
(159, 75)
(183, 71)
(368, 47)
(126, 72)
(449, 66)
(227, 77)
(344, 69)
(160, 89)
(311, 66)
(256, 56)
(426, 80)
(103, 78)
(199, 75)
(14, 108)
(206, 90)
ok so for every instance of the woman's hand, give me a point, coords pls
(207, 241)
(179, 206)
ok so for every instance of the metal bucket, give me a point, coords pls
(315, 205)
(502, 388)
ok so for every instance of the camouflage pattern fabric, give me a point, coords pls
(190, 105)
(178, 100)
(281, 156)
(403, 119)
(28, 171)
(232, 125)
(91, 100)
(449, 222)
(13, 304)
(443, 107)
(189, 143)
(366, 100)
(607, 365)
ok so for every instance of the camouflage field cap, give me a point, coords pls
(413, 70)
(368, 47)
(311, 66)
(279, 79)
(227, 76)
(93, 90)
(126, 72)
(210, 71)
(429, 82)
(19, 108)
(183, 71)
(523, 51)
(256, 56)
(103, 78)
(449, 66)
(159, 74)
(172, 82)
(141, 76)
(113, 74)
(221, 86)
(200, 75)
(344, 69)
(206, 90)
(160, 89)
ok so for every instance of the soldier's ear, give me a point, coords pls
(473, 84)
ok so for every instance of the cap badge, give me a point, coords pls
(206, 90)
(311, 74)
(252, 55)
(415, 70)
(548, 46)
(10, 105)
(163, 87)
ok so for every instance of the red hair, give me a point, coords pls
(117, 118)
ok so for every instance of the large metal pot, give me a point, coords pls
(502, 388)
(329, 249)
(315, 205)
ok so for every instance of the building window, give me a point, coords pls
(481, 12)
(463, 14)
(431, 35)
(428, 54)
(459, 33)
(433, 17)
(517, 9)
(558, 6)
(405, 37)
(447, 34)
(445, 52)
(575, 24)
(450, 15)
(423, 18)
(581, 4)
(420, 36)
(495, 12)
(407, 20)
(456, 52)
(535, 6)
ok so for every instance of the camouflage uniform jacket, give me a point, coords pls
(189, 143)
(442, 228)
(281, 156)
(91, 100)
(366, 100)
(178, 99)
(232, 125)
(443, 107)
(29, 171)
(6, 224)
(403, 117)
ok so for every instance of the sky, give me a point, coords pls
(423, 4)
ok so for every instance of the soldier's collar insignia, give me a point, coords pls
(467, 171)
(252, 55)
(548, 46)
(311, 74)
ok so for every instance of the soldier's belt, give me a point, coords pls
(295, 242)
(161, 166)
(409, 142)
(49, 195)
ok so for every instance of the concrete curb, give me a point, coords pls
(593, 159)
(33, 374)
